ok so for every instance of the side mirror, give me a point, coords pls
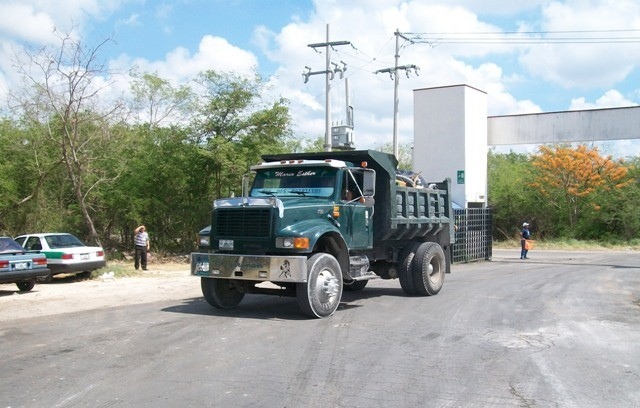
(369, 183)
(246, 183)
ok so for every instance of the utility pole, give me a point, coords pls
(394, 75)
(329, 74)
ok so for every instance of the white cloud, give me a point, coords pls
(180, 65)
(585, 65)
(22, 23)
(611, 99)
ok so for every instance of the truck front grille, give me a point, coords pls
(242, 222)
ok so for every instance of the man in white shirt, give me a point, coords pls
(141, 242)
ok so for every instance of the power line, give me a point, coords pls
(527, 37)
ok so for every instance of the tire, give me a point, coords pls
(84, 275)
(46, 279)
(321, 294)
(221, 293)
(26, 285)
(405, 273)
(355, 286)
(428, 269)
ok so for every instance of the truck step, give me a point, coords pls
(369, 275)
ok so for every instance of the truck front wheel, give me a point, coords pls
(320, 295)
(428, 269)
(221, 293)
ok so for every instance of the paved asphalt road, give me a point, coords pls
(559, 330)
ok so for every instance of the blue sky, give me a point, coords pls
(179, 38)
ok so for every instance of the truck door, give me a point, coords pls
(356, 221)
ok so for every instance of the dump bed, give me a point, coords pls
(419, 212)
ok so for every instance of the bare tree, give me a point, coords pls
(62, 96)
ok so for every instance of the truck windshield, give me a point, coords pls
(294, 182)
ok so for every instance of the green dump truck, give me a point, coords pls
(314, 224)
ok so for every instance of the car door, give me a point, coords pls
(33, 244)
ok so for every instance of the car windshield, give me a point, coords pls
(8, 245)
(300, 182)
(63, 241)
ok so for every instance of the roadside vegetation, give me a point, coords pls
(572, 245)
(74, 159)
(571, 195)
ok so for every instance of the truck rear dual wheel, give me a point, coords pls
(221, 293)
(422, 267)
(321, 294)
(405, 270)
(428, 269)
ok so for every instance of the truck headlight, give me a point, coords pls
(292, 242)
(204, 241)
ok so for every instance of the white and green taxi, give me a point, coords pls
(65, 253)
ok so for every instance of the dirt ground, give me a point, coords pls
(67, 294)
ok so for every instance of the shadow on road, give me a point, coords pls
(265, 307)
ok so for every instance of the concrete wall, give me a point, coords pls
(450, 136)
(565, 127)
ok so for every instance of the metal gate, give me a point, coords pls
(473, 234)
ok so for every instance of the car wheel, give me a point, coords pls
(84, 275)
(45, 279)
(26, 285)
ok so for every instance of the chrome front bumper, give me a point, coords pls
(250, 267)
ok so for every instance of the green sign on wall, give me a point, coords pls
(460, 176)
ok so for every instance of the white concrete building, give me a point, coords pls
(450, 140)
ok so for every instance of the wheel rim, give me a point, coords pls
(434, 270)
(320, 295)
(327, 286)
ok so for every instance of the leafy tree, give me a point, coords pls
(567, 177)
(613, 213)
(234, 126)
(314, 145)
(158, 101)
(405, 154)
(512, 202)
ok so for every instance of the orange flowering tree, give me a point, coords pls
(569, 178)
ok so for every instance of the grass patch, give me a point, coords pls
(573, 244)
(120, 269)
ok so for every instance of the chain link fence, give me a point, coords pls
(473, 234)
